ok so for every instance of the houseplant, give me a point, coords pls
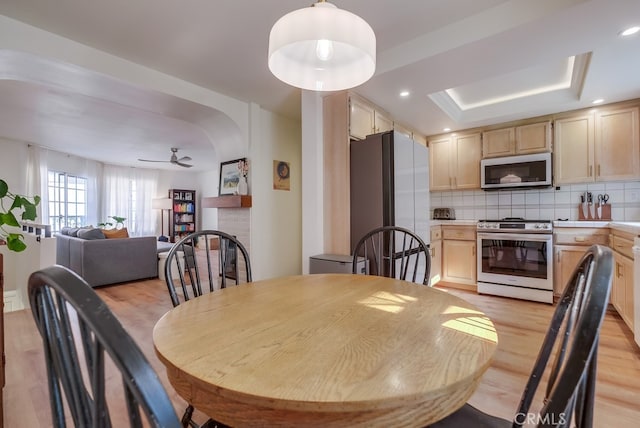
(12, 205)
(119, 221)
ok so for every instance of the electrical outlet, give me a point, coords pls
(634, 196)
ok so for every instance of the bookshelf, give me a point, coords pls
(182, 220)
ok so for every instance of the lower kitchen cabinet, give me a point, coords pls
(566, 260)
(622, 287)
(570, 243)
(459, 264)
(435, 250)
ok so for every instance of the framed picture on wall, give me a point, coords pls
(229, 177)
(281, 173)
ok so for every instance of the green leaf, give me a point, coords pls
(29, 211)
(9, 219)
(15, 243)
(17, 202)
(4, 188)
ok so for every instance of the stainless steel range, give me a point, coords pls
(515, 258)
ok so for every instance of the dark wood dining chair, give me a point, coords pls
(394, 252)
(80, 336)
(194, 268)
(573, 333)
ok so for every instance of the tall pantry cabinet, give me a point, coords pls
(182, 219)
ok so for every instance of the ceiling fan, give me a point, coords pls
(174, 159)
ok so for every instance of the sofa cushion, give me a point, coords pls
(116, 233)
(90, 234)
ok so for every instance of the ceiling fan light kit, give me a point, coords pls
(174, 159)
(322, 48)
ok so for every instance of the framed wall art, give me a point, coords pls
(281, 173)
(230, 176)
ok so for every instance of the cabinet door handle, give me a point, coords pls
(590, 170)
(598, 170)
(473, 250)
(619, 271)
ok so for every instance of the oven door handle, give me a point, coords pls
(516, 237)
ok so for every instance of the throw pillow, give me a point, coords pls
(66, 230)
(90, 234)
(116, 233)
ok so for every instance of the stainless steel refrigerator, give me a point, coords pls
(389, 185)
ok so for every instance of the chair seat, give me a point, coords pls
(468, 416)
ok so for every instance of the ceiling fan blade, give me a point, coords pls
(184, 159)
(186, 165)
(150, 160)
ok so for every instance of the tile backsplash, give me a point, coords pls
(550, 203)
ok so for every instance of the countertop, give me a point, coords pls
(625, 226)
(453, 222)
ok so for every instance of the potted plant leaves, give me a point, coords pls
(13, 205)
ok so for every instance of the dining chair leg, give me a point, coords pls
(186, 418)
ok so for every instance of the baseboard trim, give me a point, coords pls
(12, 301)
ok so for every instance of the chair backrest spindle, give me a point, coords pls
(394, 252)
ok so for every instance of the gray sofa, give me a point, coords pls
(109, 261)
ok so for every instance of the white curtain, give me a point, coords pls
(37, 180)
(127, 192)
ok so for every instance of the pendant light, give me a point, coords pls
(322, 48)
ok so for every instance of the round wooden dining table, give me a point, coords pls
(326, 350)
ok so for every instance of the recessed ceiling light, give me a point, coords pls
(447, 129)
(629, 31)
(598, 101)
(404, 93)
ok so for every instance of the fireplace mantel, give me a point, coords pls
(228, 201)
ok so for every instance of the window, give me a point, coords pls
(67, 200)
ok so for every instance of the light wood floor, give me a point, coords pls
(521, 326)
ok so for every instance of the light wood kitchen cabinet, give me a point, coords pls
(435, 250)
(602, 146)
(570, 245)
(518, 140)
(622, 286)
(459, 255)
(381, 122)
(454, 162)
(365, 119)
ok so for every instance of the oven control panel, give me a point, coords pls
(515, 226)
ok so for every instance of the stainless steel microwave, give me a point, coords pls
(511, 172)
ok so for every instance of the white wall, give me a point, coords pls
(313, 182)
(276, 215)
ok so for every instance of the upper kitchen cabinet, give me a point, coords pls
(454, 162)
(365, 119)
(601, 146)
(518, 140)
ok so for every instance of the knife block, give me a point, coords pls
(593, 212)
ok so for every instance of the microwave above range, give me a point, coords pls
(524, 171)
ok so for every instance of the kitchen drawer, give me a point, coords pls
(436, 233)
(577, 236)
(460, 233)
(622, 245)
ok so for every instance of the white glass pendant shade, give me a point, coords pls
(322, 48)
